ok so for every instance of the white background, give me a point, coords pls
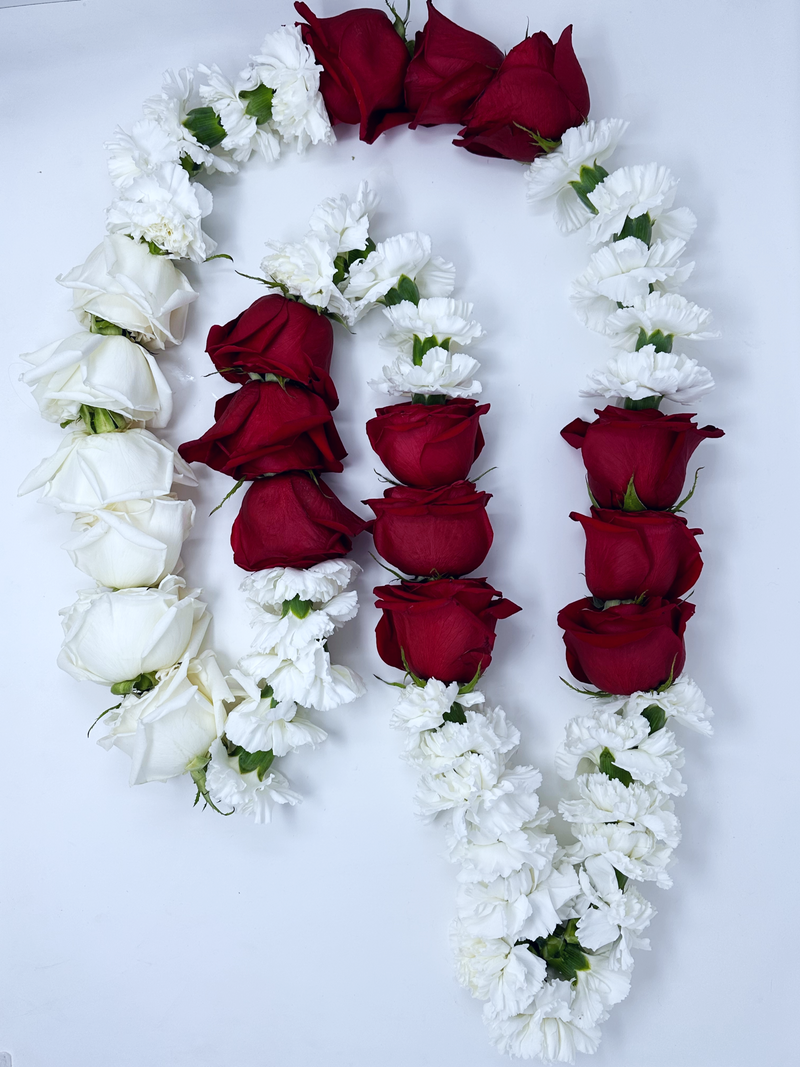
(141, 933)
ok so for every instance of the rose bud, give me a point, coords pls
(291, 520)
(266, 428)
(428, 445)
(450, 69)
(647, 446)
(625, 648)
(633, 553)
(432, 531)
(539, 88)
(276, 336)
(364, 62)
(444, 629)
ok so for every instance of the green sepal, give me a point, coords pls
(345, 260)
(299, 608)
(689, 495)
(544, 143)
(400, 24)
(589, 179)
(406, 289)
(260, 762)
(564, 956)
(197, 769)
(469, 687)
(662, 342)
(646, 403)
(591, 495)
(632, 501)
(100, 420)
(192, 169)
(419, 682)
(259, 103)
(585, 692)
(656, 716)
(102, 715)
(204, 124)
(622, 879)
(104, 327)
(391, 570)
(641, 228)
(227, 496)
(268, 693)
(609, 768)
(141, 684)
(429, 399)
(218, 255)
(665, 685)
(423, 345)
(455, 714)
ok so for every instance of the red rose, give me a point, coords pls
(266, 428)
(632, 553)
(432, 531)
(445, 629)
(291, 521)
(276, 336)
(648, 446)
(428, 445)
(540, 87)
(364, 60)
(450, 69)
(628, 647)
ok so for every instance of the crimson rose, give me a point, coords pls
(289, 520)
(266, 428)
(276, 336)
(432, 531)
(628, 647)
(648, 446)
(540, 88)
(450, 69)
(364, 60)
(428, 445)
(445, 629)
(630, 553)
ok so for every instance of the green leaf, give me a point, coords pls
(421, 346)
(259, 103)
(632, 501)
(204, 123)
(260, 762)
(644, 404)
(622, 879)
(192, 169)
(407, 289)
(609, 768)
(656, 716)
(455, 714)
(227, 496)
(662, 342)
(565, 957)
(641, 228)
(104, 327)
(299, 608)
(589, 179)
(689, 495)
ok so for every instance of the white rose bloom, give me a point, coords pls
(547, 1029)
(483, 732)
(103, 372)
(243, 135)
(598, 989)
(683, 701)
(122, 282)
(371, 279)
(288, 636)
(629, 193)
(604, 799)
(616, 918)
(651, 373)
(311, 680)
(137, 542)
(436, 316)
(549, 176)
(164, 207)
(635, 853)
(169, 109)
(263, 724)
(165, 728)
(485, 856)
(668, 312)
(506, 975)
(344, 223)
(319, 583)
(115, 636)
(587, 736)
(441, 372)
(92, 470)
(621, 272)
(306, 269)
(139, 152)
(245, 793)
(287, 65)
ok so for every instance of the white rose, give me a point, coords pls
(102, 372)
(117, 636)
(92, 470)
(122, 282)
(165, 728)
(137, 542)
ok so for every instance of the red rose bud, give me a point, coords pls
(450, 69)
(428, 445)
(628, 647)
(539, 88)
(445, 629)
(276, 336)
(648, 446)
(291, 521)
(633, 553)
(433, 531)
(364, 60)
(266, 428)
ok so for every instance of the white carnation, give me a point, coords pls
(122, 282)
(469, 778)
(682, 701)
(165, 208)
(171, 107)
(406, 254)
(263, 724)
(606, 800)
(102, 372)
(635, 853)
(137, 542)
(441, 373)
(420, 708)
(243, 135)
(599, 988)
(319, 583)
(629, 193)
(288, 636)
(506, 975)
(587, 736)
(485, 855)
(670, 313)
(306, 269)
(616, 917)
(649, 372)
(484, 732)
(311, 680)
(344, 223)
(547, 1029)
(245, 793)
(525, 904)
(139, 152)
(440, 317)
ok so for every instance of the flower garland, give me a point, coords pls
(544, 930)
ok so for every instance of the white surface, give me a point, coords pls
(141, 933)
